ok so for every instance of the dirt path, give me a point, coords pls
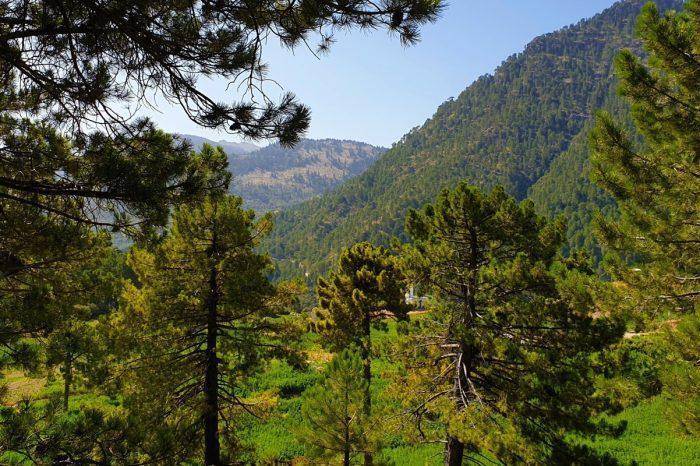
(673, 323)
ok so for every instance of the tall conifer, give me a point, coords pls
(204, 315)
(365, 288)
(507, 352)
(655, 244)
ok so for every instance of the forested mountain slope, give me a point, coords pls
(275, 177)
(508, 128)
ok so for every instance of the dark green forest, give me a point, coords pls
(515, 282)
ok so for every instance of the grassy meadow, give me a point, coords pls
(648, 439)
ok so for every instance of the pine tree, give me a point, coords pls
(44, 433)
(35, 301)
(130, 177)
(682, 377)
(506, 354)
(655, 244)
(204, 315)
(365, 288)
(47, 235)
(656, 186)
(336, 422)
(59, 311)
(73, 340)
(74, 157)
(58, 275)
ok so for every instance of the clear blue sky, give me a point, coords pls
(372, 89)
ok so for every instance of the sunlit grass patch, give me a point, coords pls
(20, 386)
(649, 438)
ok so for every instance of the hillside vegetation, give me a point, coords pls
(649, 438)
(473, 340)
(524, 127)
(276, 177)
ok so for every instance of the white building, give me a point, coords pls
(418, 301)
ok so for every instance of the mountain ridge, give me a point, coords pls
(275, 177)
(230, 147)
(506, 128)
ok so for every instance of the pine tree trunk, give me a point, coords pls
(346, 447)
(348, 420)
(211, 378)
(454, 449)
(211, 414)
(454, 452)
(67, 379)
(367, 372)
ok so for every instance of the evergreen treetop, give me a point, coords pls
(656, 184)
(366, 287)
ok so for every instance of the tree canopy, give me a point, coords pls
(507, 359)
(654, 245)
(75, 59)
(656, 185)
(74, 74)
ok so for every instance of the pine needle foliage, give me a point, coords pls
(335, 422)
(202, 316)
(655, 245)
(507, 359)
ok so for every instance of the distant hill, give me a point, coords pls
(231, 148)
(277, 177)
(524, 127)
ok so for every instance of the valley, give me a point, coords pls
(514, 281)
(273, 178)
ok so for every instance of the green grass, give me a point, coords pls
(275, 439)
(423, 455)
(20, 386)
(649, 438)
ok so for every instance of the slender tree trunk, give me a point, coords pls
(348, 420)
(67, 379)
(212, 453)
(367, 373)
(346, 425)
(454, 449)
(454, 452)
